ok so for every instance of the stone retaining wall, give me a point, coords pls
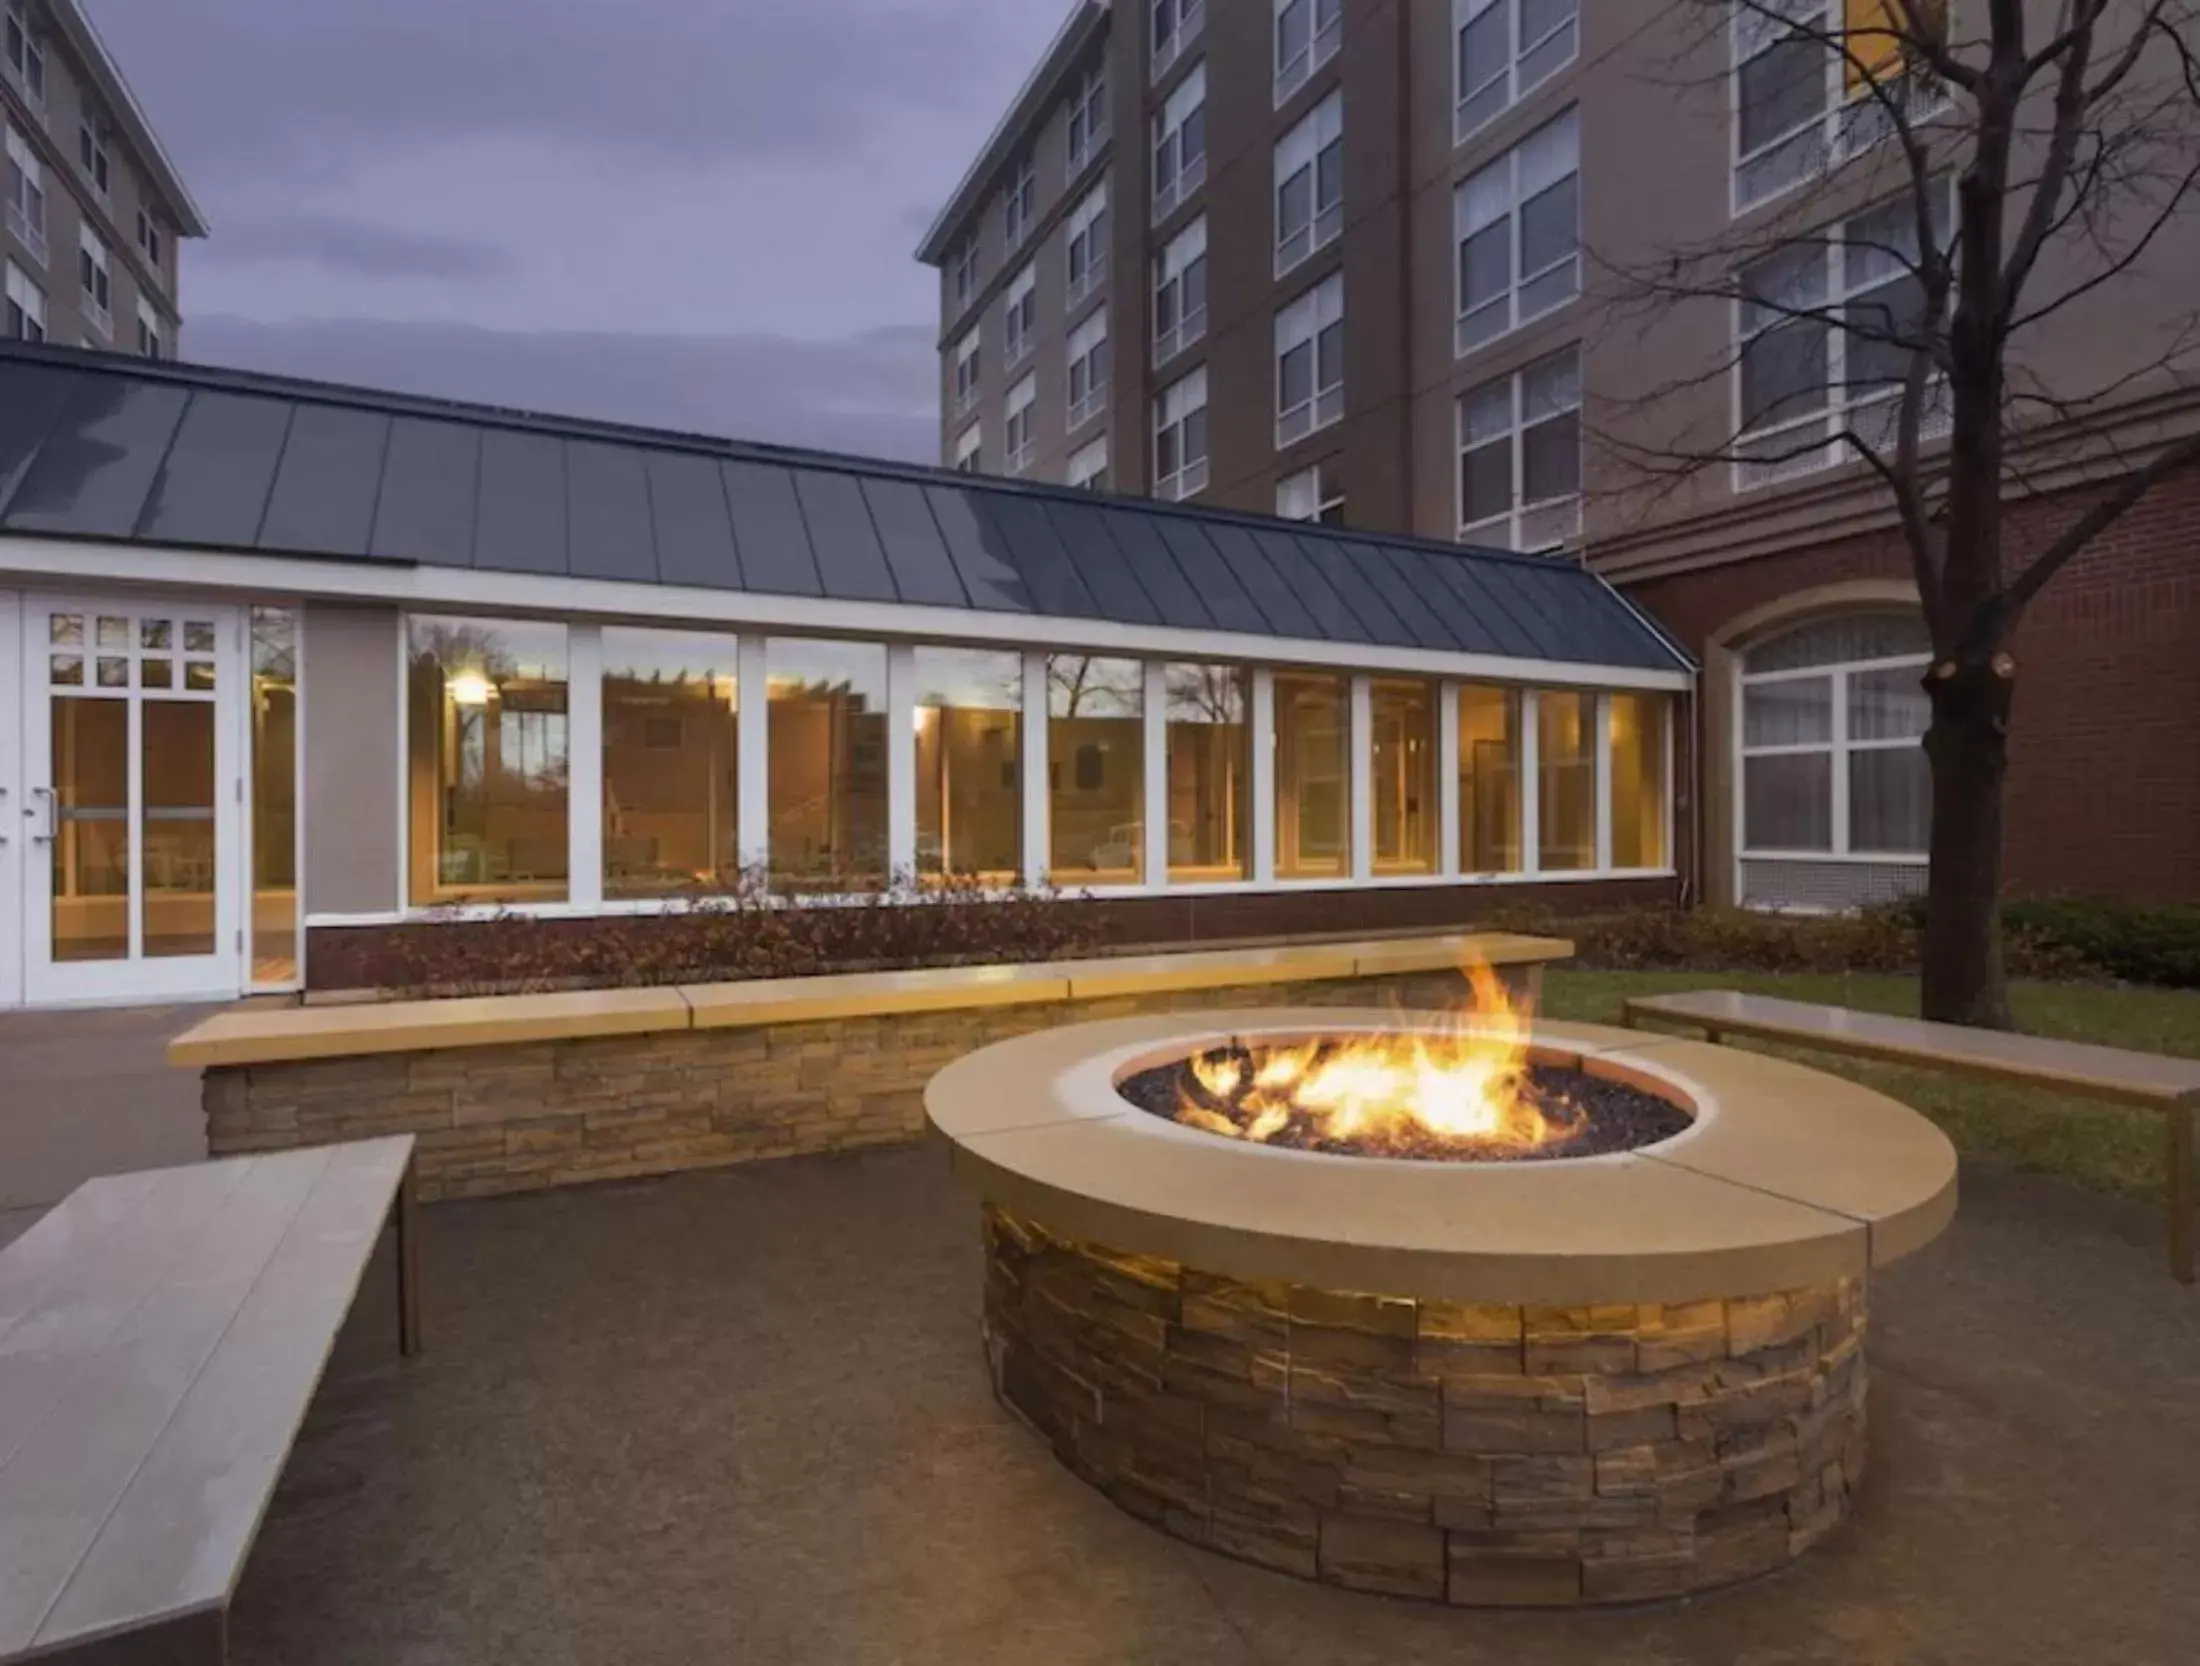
(1484, 1455)
(521, 1117)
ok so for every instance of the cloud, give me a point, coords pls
(873, 393)
(359, 247)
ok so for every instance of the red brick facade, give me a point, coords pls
(2104, 780)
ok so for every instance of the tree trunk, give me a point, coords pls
(1968, 749)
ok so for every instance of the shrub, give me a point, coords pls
(2139, 943)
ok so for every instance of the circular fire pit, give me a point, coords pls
(1494, 1369)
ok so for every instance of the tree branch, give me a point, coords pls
(2098, 519)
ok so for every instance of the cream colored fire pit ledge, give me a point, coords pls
(1573, 1381)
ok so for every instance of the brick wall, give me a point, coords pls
(2104, 772)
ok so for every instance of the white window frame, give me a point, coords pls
(1087, 380)
(149, 237)
(98, 168)
(24, 294)
(1172, 267)
(1305, 323)
(1019, 201)
(1186, 174)
(30, 73)
(963, 269)
(26, 196)
(1324, 37)
(969, 370)
(1309, 494)
(1528, 65)
(1020, 411)
(1509, 172)
(1088, 466)
(1173, 408)
(1171, 26)
(1087, 121)
(1087, 232)
(150, 338)
(1546, 523)
(1020, 316)
(970, 449)
(95, 265)
(1300, 151)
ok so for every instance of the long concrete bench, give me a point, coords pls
(160, 1336)
(2080, 1069)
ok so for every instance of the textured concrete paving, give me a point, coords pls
(743, 1417)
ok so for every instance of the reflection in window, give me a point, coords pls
(1096, 768)
(827, 762)
(1403, 781)
(1565, 737)
(969, 722)
(486, 761)
(671, 750)
(1210, 772)
(1489, 779)
(1313, 776)
(274, 795)
(1638, 780)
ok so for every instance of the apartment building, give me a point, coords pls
(1367, 261)
(94, 207)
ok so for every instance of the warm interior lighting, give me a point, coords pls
(469, 688)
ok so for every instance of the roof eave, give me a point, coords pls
(115, 92)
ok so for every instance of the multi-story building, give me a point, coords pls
(1377, 261)
(94, 207)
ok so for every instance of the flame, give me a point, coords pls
(1461, 1083)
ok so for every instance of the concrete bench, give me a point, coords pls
(2168, 1085)
(160, 1336)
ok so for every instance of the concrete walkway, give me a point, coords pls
(743, 1417)
(88, 1091)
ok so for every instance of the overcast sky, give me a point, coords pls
(689, 213)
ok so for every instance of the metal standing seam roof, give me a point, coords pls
(100, 446)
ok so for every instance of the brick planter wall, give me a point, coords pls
(1484, 1455)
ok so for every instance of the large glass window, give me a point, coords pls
(1566, 780)
(1313, 776)
(1518, 227)
(1180, 143)
(970, 796)
(1637, 731)
(1180, 291)
(826, 762)
(1180, 438)
(1308, 34)
(1489, 779)
(274, 795)
(1506, 49)
(1210, 772)
(1520, 456)
(486, 761)
(671, 750)
(1403, 779)
(1310, 183)
(1096, 770)
(1310, 361)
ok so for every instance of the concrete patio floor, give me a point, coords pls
(743, 1417)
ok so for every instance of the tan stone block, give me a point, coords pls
(1640, 1577)
(1464, 1514)
(1389, 1503)
(1556, 1478)
(1282, 1548)
(1765, 1472)
(1627, 1471)
(1483, 1322)
(1370, 1554)
(1326, 1310)
(1600, 1513)
(1552, 1356)
(1514, 1393)
(1754, 1323)
(1435, 1357)
(1644, 1426)
(1525, 1430)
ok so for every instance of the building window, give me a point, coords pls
(486, 761)
(1518, 223)
(1520, 456)
(1313, 776)
(92, 276)
(1088, 115)
(1180, 438)
(1833, 719)
(1017, 201)
(1180, 292)
(1088, 369)
(1210, 768)
(26, 196)
(274, 795)
(1085, 250)
(671, 763)
(962, 266)
(148, 332)
(1489, 779)
(1312, 494)
(825, 757)
(1310, 183)
(1506, 49)
(1636, 733)
(1021, 314)
(1019, 435)
(1310, 361)
(1801, 381)
(1402, 779)
(26, 306)
(1088, 466)
(969, 450)
(1096, 752)
(1308, 33)
(1180, 143)
(1566, 780)
(91, 155)
(967, 370)
(150, 240)
(26, 56)
(970, 791)
(1175, 26)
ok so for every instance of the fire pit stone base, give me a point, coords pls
(1483, 1454)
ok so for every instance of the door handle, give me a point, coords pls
(43, 834)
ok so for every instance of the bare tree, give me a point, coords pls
(1990, 165)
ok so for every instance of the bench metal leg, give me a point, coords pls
(2180, 1191)
(408, 1265)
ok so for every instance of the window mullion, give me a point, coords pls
(1840, 840)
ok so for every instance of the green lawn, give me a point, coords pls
(2105, 1147)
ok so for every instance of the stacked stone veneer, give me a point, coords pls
(1480, 1454)
(520, 1117)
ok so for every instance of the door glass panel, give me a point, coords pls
(274, 793)
(114, 633)
(68, 670)
(156, 673)
(114, 672)
(91, 842)
(178, 787)
(198, 674)
(65, 630)
(156, 634)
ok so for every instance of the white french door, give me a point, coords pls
(131, 821)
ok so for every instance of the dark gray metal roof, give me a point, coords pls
(99, 446)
